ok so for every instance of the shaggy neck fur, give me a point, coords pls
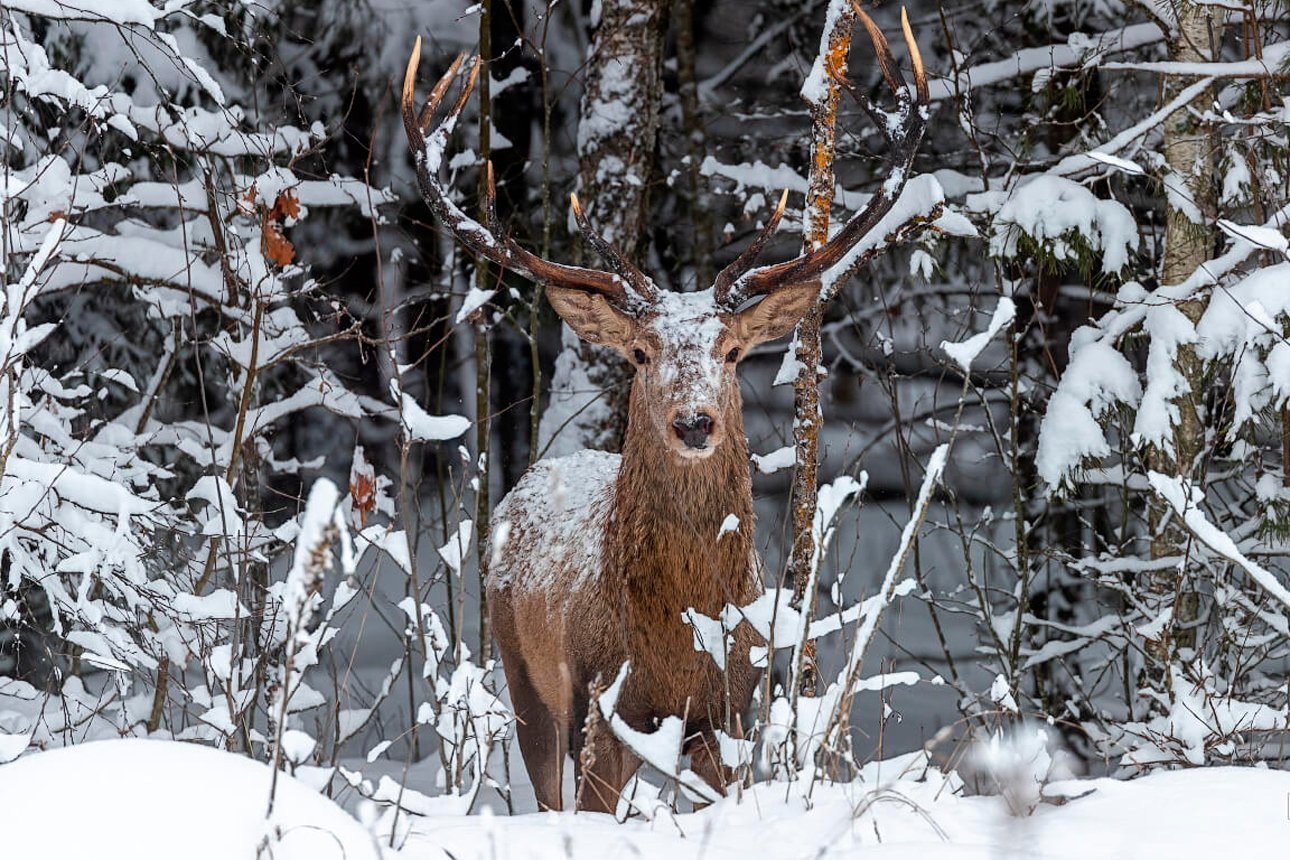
(667, 513)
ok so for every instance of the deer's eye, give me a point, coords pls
(640, 356)
(733, 355)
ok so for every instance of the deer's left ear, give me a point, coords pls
(776, 315)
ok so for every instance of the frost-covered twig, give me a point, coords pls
(849, 676)
(1185, 498)
(320, 526)
(660, 749)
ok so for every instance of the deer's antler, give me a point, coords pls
(903, 130)
(627, 287)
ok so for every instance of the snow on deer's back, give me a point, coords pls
(556, 512)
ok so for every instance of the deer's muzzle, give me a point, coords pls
(694, 431)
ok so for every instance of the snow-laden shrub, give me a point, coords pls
(1056, 221)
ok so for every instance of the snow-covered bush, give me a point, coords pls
(161, 326)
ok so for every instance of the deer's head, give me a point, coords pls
(685, 346)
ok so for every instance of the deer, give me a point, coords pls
(597, 556)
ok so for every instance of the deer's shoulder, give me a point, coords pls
(550, 524)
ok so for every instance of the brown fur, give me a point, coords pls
(660, 556)
(581, 585)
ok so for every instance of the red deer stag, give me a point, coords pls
(596, 556)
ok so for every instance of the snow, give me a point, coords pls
(777, 460)
(1118, 163)
(1274, 56)
(1241, 324)
(614, 107)
(474, 300)
(966, 352)
(556, 512)
(1029, 60)
(155, 800)
(577, 408)
(1262, 237)
(1186, 499)
(661, 748)
(455, 549)
(816, 86)
(421, 426)
(1097, 378)
(124, 12)
(711, 634)
(1073, 164)
(729, 525)
(319, 525)
(905, 809)
(1056, 212)
(1170, 329)
(920, 197)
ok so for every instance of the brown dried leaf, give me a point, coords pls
(362, 486)
(276, 246)
(286, 206)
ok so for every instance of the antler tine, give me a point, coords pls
(745, 260)
(490, 199)
(903, 142)
(485, 240)
(466, 89)
(611, 255)
(437, 93)
(411, 125)
(886, 62)
(915, 59)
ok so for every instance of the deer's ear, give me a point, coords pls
(776, 315)
(592, 317)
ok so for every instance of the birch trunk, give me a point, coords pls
(1188, 151)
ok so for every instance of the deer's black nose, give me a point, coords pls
(694, 432)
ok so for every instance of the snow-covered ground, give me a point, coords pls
(156, 799)
(1203, 813)
(139, 799)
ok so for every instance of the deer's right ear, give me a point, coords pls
(592, 317)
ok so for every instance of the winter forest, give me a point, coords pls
(628, 428)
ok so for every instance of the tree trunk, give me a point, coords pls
(835, 47)
(617, 133)
(1189, 154)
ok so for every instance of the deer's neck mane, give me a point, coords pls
(667, 513)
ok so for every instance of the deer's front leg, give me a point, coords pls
(705, 760)
(607, 765)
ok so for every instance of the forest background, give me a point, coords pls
(222, 288)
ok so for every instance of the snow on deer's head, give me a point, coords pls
(685, 347)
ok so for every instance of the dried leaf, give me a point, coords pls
(362, 486)
(286, 206)
(276, 246)
(246, 203)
